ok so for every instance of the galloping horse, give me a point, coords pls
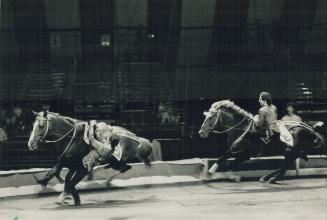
(68, 135)
(225, 117)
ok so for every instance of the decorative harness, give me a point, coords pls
(73, 129)
(240, 138)
(218, 119)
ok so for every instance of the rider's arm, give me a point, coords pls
(100, 147)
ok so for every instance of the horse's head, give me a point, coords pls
(210, 122)
(40, 130)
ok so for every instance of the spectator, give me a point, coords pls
(163, 113)
(291, 116)
(3, 135)
(17, 121)
(167, 114)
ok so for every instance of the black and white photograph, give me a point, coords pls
(163, 109)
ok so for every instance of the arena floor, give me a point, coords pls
(299, 199)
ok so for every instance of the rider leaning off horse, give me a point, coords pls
(102, 143)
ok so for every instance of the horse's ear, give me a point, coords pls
(45, 114)
(35, 113)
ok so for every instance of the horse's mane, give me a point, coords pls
(68, 119)
(230, 105)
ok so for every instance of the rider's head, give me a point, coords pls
(290, 108)
(265, 98)
(102, 131)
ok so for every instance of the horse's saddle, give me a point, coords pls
(283, 128)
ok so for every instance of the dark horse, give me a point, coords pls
(67, 134)
(225, 117)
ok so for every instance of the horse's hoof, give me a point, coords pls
(272, 180)
(206, 176)
(61, 202)
(262, 179)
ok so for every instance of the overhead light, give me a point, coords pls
(105, 40)
(151, 36)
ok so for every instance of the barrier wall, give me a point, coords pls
(23, 182)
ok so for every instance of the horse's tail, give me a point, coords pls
(145, 151)
(320, 139)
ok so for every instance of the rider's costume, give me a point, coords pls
(100, 153)
(266, 121)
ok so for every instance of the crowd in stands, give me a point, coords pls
(167, 114)
(14, 121)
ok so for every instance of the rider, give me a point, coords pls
(102, 144)
(265, 121)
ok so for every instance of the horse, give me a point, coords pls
(226, 117)
(67, 134)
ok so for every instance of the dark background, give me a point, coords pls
(118, 60)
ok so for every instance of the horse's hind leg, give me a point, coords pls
(290, 157)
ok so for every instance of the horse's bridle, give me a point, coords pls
(43, 140)
(218, 118)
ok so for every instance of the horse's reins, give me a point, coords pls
(55, 141)
(240, 138)
(229, 127)
(61, 138)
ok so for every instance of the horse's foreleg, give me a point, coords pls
(77, 177)
(239, 159)
(63, 196)
(220, 160)
(55, 171)
(58, 176)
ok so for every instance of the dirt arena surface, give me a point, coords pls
(298, 199)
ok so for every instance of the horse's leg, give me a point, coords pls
(77, 177)
(58, 176)
(239, 159)
(220, 160)
(120, 168)
(55, 171)
(290, 157)
(63, 196)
